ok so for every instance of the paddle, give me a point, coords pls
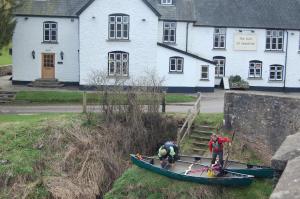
(228, 152)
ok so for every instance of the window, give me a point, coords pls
(276, 72)
(220, 38)
(204, 72)
(118, 63)
(170, 32)
(274, 40)
(50, 31)
(255, 69)
(118, 26)
(166, 2)
(220, 66)
(176, 65)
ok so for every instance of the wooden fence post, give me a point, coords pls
(84, 102)
(163, 104)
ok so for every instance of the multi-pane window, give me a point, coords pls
(204, 72)
(220, 66)
(118, 26)
(166, 2)
(274, 40)
(176, 65)
(50, 31)
(255, 69)
(170, 32)
(118, 63)
(48, 60)
(276, 72)
(219, 37)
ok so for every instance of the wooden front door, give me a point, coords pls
(48, 66)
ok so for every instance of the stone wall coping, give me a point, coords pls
(288, 150)
(288, 185)
(281, 95)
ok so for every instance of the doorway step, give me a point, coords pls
(46, 83)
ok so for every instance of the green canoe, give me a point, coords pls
(180, 168)
(234, 166)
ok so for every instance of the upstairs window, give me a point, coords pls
(276, 73)
(50, 31)
(118, 63)
(166, 2)
(118, 26)
(255, 69)
(274, 40)
(220, 38)
(176, 65)
(220, 66)
(169, 32)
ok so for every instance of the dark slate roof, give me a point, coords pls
(185, 53)
(62, 8)
(283, 14)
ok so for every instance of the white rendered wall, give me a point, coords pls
(28, 36)
(94, 44)
(293, 63)
(192, 70)
(200, 42)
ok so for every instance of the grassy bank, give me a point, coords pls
(52, 97)
(139, 183)
(5, 58)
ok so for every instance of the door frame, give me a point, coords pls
(42, 65)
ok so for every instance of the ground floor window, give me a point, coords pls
(276, 72)
(204, 72)
(255, 69)
(176, 65)
(220, 66)
(118, 63)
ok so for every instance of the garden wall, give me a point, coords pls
(262, 120)
(5, 70)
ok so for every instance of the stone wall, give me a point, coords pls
(262, 120)
(5, 70)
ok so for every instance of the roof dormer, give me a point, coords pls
(166, 2)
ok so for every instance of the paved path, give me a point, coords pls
(206, 107)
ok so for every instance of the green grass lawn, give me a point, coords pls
(76, 97)
(138, 183)
(5, 58)
(19, 136)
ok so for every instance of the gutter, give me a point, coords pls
(286, 56)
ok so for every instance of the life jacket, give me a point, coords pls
(217, 146)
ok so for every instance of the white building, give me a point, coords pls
(193, 44)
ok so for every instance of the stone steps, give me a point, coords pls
(46, 83)
(200, 136)
(7, 96)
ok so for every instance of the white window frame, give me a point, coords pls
(118, 66)
(51, 30)
(166, 2)
(275, 69)
(219, 38)
(256, 67)
(217, 60)
(169, 31)
(274, 40)
(118, 27)
(176, 65)
(205, 72)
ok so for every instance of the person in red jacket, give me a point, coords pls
(216, 148)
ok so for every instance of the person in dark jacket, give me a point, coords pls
(168, 154)
(216, 148)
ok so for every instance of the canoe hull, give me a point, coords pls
(254, 170)
(234, 181)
